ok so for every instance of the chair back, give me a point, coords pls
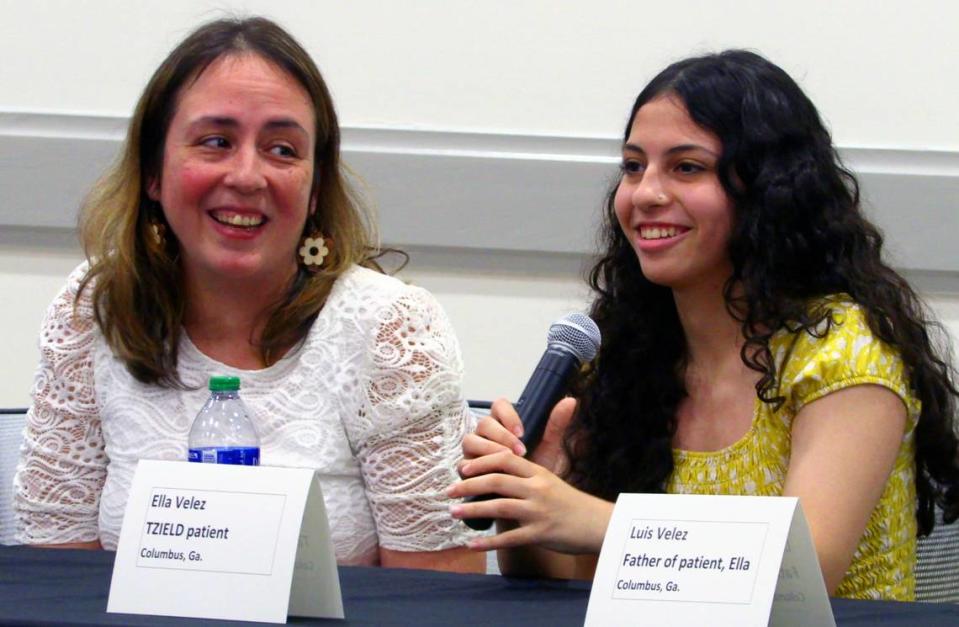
(937, 563)
(479, 408)
(11, 435)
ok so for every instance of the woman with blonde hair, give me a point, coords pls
(226, 241)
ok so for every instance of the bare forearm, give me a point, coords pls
(459, 560)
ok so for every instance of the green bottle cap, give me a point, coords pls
(224, 384)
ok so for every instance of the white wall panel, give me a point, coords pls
(486, 131)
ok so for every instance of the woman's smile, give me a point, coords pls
(656, 236)
(245, 220)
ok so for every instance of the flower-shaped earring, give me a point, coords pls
(313, 251)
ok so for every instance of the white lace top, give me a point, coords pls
(371, 398)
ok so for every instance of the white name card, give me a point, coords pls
(227, 542)
(671, 559)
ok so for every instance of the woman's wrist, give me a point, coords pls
(600, 513)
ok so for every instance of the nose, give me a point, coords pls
(649, 192)
(245, 172)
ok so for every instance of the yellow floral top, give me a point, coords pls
(811, 367)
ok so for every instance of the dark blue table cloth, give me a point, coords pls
(63, 587)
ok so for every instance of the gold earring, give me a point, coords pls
(313, 251)
(158, 231)
(155, 222)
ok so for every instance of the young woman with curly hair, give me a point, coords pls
(754, 342)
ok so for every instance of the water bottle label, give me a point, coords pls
(237, 455)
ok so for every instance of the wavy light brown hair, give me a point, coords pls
(135, 282)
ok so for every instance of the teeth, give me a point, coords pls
(656, 232)
(236, 219)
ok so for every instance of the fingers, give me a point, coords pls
(491, 474)
(560, 417)
(520, 536)
(502, 430)
(501, 462)
(502, 508)
(504, 412)
(476, 445)
(490, 438)
(495, 431)
(516, 489)
(549, 453)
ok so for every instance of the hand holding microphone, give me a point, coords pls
(571, 341)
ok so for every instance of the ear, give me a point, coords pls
(315, 192)
(153, 188)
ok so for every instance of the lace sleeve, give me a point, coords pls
(62, 463)
(416, 419)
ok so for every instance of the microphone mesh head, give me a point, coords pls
(576, 333)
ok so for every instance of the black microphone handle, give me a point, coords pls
(544, 389)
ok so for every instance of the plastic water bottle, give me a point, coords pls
(222, 433)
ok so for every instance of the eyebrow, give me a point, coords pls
(673, 150)
(226, 121)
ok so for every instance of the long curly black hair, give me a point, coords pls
(798, 234)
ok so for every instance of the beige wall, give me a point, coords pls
(539, 68)
(882, 74)
(500, 307)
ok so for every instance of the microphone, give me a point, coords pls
(572, 340)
